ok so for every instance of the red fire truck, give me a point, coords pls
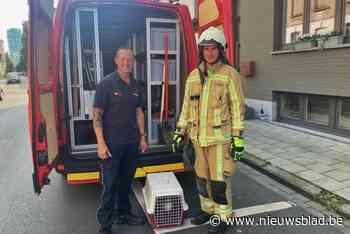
(71, 48)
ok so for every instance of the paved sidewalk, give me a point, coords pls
(316, 163)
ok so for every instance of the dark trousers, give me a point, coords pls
(116, 176)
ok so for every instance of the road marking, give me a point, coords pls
(186, 225)
(258, 209)
(246, 211)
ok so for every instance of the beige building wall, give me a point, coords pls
(325, 72)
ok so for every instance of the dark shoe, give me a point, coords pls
(118, 216)
(201, 218)
(119, 219)
(106, 230)
(132, 219)
(219, 229)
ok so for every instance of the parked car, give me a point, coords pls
(13, 81)
(13, 78)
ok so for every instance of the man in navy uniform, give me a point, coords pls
(120, 132)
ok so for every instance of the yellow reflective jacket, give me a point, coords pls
(213, 112)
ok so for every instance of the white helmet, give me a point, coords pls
(212, 36)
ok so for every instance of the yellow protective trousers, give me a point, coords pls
(214, 168)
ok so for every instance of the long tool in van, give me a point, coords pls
(164, 127)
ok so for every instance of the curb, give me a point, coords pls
(300, 185)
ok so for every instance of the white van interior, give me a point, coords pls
(92, 36)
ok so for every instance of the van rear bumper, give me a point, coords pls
(81, 171)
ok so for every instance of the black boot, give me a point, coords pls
(131, 219)
(134, 220)
(119, 219)
(106, 230)
(202, 218)
(219, 229)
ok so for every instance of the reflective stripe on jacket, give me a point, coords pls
(213, 112)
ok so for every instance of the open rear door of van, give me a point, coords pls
(42, 96)
(220, 14)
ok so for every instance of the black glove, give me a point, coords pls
(237, 148)
(177, 141)
(188, 155)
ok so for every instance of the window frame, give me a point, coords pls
(281, 12)
(300, 103)
(294, 36)
(292, 10)
(307, 111)
(339, 113)
(334, 113)
(347, 28)
(319, 7)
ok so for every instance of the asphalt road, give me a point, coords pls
(13, 94)
(63, 208)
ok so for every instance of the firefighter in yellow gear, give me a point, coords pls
(212, 116)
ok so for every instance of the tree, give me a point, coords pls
(9, 64)
(22, 65)
(2, 66)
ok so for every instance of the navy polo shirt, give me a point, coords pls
(119, 101)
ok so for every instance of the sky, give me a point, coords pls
(12, 14)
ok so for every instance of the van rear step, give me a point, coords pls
(94, 177)
(89, 162)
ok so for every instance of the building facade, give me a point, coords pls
(14, 40)
(2, 59)
(301, 53)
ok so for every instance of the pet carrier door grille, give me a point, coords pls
(169, 210)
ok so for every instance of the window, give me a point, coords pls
(297, 7)
(347, 29)
(291, 106)
(310, 17)
(344, 114)
(294, 22)
(321, 30)
(327, 113)
(318, 110)
(294, 36)
(322, 16)
(347, 18)
(320, 5)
